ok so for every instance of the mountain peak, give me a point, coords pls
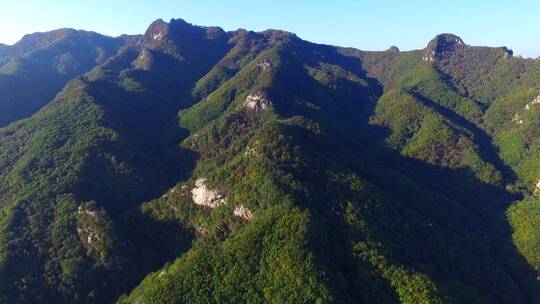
(442, 44)
(161, 33)
(507, 53)
(43, 39)
(155, 33)
(393, 49)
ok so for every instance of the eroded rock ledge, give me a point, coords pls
(532, 103)
(204, 196)
(442, 44)
(256, 102)
(243, 212)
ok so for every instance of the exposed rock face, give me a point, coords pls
(243, 212)
(172, 37)
(250, 151)
(535, 101)
(429, 56)
(158, 36)
(256, 102)
(445, 47)
(82, 210)
(88, 236)
(203, 196)
(517, 119)
(508, 53)
(156, 32)
(264, 65)
(144, 60)
(174, 190)
(442, 45)
(94, 232)
(201, 230)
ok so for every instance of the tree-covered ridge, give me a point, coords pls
(35, 69)
(505, 89)
(162, 285)
(202, 166)
(96, 124)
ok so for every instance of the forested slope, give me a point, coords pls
(202, 166)
(36, 68)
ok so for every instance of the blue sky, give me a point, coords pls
(368, 25)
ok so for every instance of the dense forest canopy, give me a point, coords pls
(195, 165)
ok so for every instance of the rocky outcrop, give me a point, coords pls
(449, 47)
(83, 210)
(441, 46)
(201, 230)
(535, 101)
(203, 196)
(429, 56)
(94, 228)
(256, 102)
(264, 65)
(517, 119)
(393, 49)
(88, 236)
(144, 60)
(250, 151)
(243, 212)
(155, 34)
(507, 53)
(537, 189)
(174, 190)
(179, 38)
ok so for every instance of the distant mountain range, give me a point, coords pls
(195, 165)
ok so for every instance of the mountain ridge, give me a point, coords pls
(47, 61)
(333, 175)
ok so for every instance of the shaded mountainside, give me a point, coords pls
(36, 68)
(194, 165)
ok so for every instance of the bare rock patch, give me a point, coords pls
(204, 196)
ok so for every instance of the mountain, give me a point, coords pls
(194, 165)
(35, 69)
